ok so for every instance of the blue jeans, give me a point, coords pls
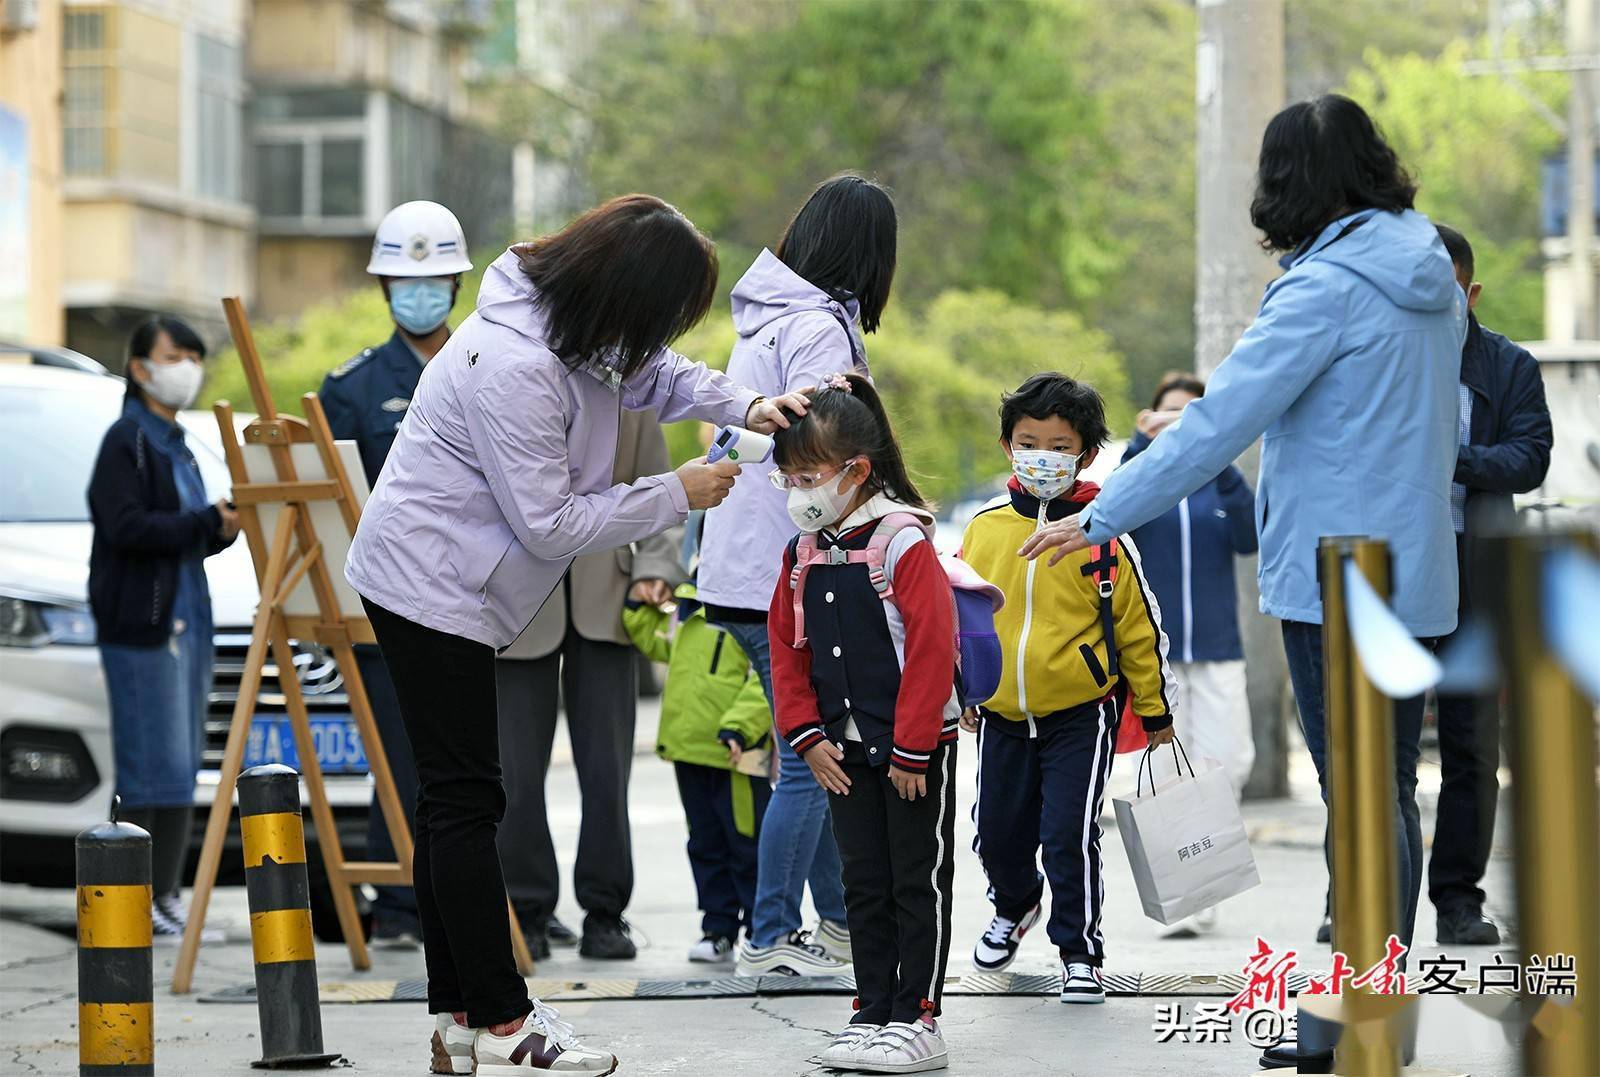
(158, 712)
(1302, 643)
(796, 836)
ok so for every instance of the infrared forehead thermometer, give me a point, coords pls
(739, 445)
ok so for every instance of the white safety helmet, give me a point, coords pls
(419, 239)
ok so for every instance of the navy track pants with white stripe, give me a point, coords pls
(899, 863)
(1045, 792)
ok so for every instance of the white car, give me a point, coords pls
(56, 762)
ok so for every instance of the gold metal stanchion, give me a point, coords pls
(1551, 732)
(1361, 797)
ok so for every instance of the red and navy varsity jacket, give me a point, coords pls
(888, 665)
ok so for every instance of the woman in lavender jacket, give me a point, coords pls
(500, 476)
(799, 315)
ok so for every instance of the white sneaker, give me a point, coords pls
(846, 1047)
(796, 955)
(834, 938)
(168, 922)
(1192, 927)
(904, 1048)
(712, 950)
(1081, 982)
(544, 1043)
(997, 946)
(452, 1046)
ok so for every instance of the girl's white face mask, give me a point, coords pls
(175, 385)
(1043, 473)
(821, 506)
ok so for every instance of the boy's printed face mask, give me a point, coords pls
(1043, 473)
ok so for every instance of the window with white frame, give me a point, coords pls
(87, 77)
(219, 113)
(311, 159)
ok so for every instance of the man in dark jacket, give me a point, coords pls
(1505, 450)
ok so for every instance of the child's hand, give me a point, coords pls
(734, 752)
(910, 786)
(969, 720)
(651, 592)
(1161, 736)
(823, 759)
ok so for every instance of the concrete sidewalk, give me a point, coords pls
(988, 1035)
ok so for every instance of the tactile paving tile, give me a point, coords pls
(360, 991)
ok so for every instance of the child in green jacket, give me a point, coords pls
(714, 729)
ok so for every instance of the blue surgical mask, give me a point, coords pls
(420, 305)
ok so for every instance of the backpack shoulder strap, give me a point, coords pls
(877, 550)
(803, 553)
(1102, 567)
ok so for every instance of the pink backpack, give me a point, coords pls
(975, 600)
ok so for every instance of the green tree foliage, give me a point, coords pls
(1475, 147)
(972, 111)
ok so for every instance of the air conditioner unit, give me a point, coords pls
(18, 15)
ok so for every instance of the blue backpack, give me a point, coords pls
(978, 658)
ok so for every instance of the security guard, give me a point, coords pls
(418, 257)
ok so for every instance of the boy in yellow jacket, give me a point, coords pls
(1077, 638)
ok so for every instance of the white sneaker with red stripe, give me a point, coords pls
(997, 946)
(901, 1047)
(544, 1044)
(846, 1047)
(452, 1046)
(1081, 982)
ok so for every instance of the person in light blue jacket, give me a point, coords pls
(1350, 370)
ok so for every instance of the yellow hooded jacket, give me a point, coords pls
(1050, 628)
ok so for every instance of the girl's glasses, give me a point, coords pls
(804, 480)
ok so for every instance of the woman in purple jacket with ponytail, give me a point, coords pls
(500, 476)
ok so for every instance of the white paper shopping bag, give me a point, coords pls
(1186, 842)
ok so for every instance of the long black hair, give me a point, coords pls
(843, 241)
(847, 422)
(144, 337)
(1321, 159)
(630, 276)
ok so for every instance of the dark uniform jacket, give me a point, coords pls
(366, 397)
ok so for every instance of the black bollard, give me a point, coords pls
(280, 919)
(116, 1032)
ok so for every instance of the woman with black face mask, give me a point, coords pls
(153, 530)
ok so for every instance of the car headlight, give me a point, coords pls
(26, 622)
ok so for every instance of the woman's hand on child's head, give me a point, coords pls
(1160, 736)
(650, 592)
(969, 720)
(823, 759)
(767, 416)
(908, 784)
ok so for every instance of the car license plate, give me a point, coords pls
(338, 743)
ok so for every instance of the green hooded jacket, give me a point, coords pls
(713, 695)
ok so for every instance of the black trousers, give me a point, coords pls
(1044, 793)
(724, 811)
(396, 905)
(445, 685)
(898, 858)
(599, 682)
(1463, 832)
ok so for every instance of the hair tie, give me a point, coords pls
(838, 381)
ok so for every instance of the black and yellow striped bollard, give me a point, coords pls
(116, 1033)
(280, 919)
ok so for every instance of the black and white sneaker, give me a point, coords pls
(1081, 982)
(712, 950)
(796, 955)
(997, 946)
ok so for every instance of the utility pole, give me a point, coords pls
(1239, 86)
(1580, 169)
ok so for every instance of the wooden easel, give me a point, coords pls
(295, 556)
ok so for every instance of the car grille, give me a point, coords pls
(320, 683)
